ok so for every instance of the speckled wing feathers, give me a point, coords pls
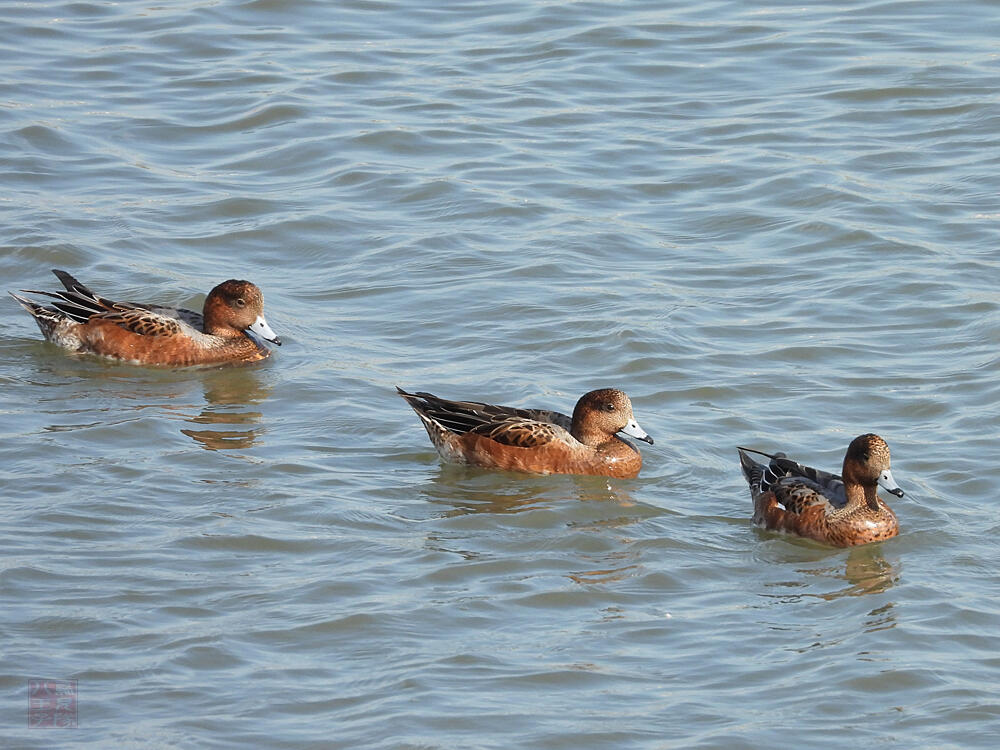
(508, 425)
(797, 496)
(143, 322)
(520, 432)
(781, 466)
(794, 485)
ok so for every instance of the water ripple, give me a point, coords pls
(771, 225)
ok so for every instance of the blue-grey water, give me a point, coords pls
(772, 224)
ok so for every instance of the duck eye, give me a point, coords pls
(609, 406)
(240, 302)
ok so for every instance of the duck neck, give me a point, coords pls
(861, 495)
(215, 319)
(213, 327)
(592, 438)
(224, 332)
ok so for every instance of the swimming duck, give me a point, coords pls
(535, 440)
(842, 511)
(145, 334)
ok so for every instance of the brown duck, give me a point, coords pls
(843, 511)
(535, 440)
(145, 334)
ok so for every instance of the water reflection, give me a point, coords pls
(217, 440)
(229, 392)
(468, 490)
(606, 575)
(471, 494)
(865, 570)
(129, 393)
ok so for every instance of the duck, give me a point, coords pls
(156, 335)
(536, 441)
(839, 510)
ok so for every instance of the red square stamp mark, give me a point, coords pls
(52, 703)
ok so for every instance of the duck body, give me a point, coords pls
(840, 510)
(145, 334)
(536, 441)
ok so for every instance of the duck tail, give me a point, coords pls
(72, 284)
(444, 440)
(753, 471)
(48, 320)
(77, 303)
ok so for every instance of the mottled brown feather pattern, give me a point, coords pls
(143, 322)
(520, 432)
(797, 497)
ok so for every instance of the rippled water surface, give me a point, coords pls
(773, 225)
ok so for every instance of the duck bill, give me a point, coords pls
(262, 329)
(887, 483)
(632, 429)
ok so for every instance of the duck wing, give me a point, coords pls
(795, 485)
(142, 322)
(192, 318)
(523, 428)
(521, 432)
